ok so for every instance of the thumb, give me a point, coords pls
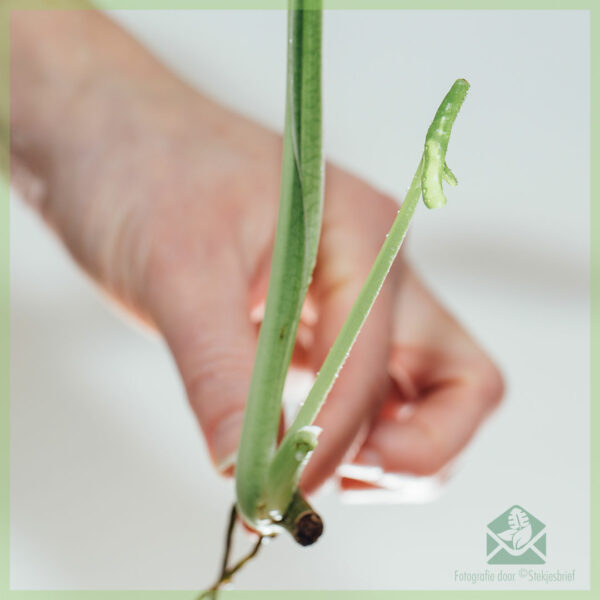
(204, 316)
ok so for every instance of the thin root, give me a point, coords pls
(228, 573)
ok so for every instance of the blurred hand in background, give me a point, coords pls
(169, 201)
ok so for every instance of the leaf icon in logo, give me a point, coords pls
(520, 529)
(518, 518)
(522, 537)
(508, 535)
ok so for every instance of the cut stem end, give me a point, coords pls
(302, 521)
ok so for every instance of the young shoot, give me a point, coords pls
(285, 470)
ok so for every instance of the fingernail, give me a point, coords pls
(225, 441)
(368, 457)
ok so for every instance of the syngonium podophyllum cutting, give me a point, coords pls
(267, 474)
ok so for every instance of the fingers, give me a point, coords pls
(445, 386)
(348, 247)
(422, 437)
(357, 392)
(199, 302)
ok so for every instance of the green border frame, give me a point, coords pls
(5, 7)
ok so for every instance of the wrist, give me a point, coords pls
(79, 83)
(114, 138)
(91, 115)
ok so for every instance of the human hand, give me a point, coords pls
(170, 202)
(443, 387)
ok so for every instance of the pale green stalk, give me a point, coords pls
(294, 255)
(291, 455)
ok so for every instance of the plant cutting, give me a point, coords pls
(267, 472)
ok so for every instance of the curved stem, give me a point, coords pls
(284, 467)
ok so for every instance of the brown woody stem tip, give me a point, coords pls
(302, 521)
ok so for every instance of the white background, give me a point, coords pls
(111, 486)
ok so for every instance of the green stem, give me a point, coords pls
(287, 464)
(294, 255)
(283, 472)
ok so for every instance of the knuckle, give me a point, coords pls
(335, 283)
(490, 383)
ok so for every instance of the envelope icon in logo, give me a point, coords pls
(516, 537)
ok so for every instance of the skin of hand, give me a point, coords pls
(170, 201)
